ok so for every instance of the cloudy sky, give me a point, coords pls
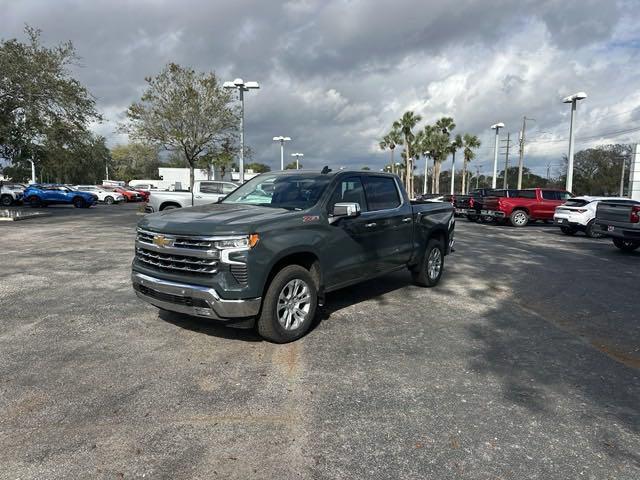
(334, 74)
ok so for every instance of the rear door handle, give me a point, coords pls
(406, 220)
(371, 225)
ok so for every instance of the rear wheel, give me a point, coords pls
(486, 219)
(79, 202)
(430, 270)
(626, 245)
(289, 305)
(169, 207)
(34, 201)
(593, 231)
(108, 200)
(6, 200)
(568, 230)
(519, 218)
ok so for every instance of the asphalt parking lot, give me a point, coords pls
(523, 363)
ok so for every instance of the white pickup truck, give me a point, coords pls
(10, 193)
(204, 191)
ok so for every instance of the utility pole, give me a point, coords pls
(505, 183)
(624, 164)
(521, 150)
(497, 128)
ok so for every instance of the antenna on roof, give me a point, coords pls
(325, 170)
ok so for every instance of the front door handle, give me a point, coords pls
(406, 220)
(371, 225)
(198, 196)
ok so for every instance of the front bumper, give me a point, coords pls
(193, 300)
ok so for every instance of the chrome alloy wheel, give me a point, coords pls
(434, 263)
(294, 303)
(520, 218)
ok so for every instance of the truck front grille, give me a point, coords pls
(181, 263)
(177, 254)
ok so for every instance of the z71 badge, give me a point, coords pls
(310, 218)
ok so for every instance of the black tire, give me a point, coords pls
(268, 324)
(34, 201)
(568, 230)
(425, 275)
(109, 200)
(486, 219)
(79, 202)
(626, 245)
(519, 218)
(6, 200)
(169, 207)
(593, 230)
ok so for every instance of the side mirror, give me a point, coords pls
(344, 210)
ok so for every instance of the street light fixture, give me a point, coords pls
(242, 87)
(497, 128)
(281, 139)
(297, 155)
(572, 99)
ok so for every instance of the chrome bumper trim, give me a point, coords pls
(194, 300)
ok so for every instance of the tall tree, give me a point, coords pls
(135, 160)
(258, 167)
(390, 141)
(405, 126)
(293, 165)
(469, 144)
(185, 111)
(40, 99)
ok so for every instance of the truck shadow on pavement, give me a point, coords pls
(209, 327)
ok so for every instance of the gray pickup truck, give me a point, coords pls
(620, 220)
(267, 254)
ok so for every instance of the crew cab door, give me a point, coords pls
(207, 192)
(392, 218)
(352, 244)
(550, 200)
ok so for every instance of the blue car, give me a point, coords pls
(43, 195)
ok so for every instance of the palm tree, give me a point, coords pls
(455, 145)
(470, 142)
(441, 132)
(405, 126)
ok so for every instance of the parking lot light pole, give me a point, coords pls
(623, 158)
(242, 87)
(497, 128)
(297, 155)
(281, 139)
(33, 171)
(572, 99)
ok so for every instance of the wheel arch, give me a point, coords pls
(168, 203)
(305, 258)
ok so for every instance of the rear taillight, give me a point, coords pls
(635, 214)
(471, 202)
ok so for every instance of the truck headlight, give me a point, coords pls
(248, 241)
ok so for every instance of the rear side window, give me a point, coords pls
(526, 194)
(228, 188)
(381, 192)
(210, 187)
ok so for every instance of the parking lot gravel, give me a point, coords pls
(523, 363)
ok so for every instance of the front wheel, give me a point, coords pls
(519, 218)
(626, 245)
(6, 200)
(430, 269)
(34, 201)
(78, 202)
(289, 305)
(108, 200)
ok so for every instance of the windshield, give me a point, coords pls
(293, 192)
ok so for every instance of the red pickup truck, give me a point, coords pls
(525, 205)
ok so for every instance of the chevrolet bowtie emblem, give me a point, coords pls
(162, 241)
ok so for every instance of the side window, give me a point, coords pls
(349, 190)
(228, 188)
(382, 193)
(550, 195)
(210, 187)
(526, 194)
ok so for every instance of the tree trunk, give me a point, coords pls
(191, 181)
(437, 177)
(464, 175)
(407, 162)
(392, 165)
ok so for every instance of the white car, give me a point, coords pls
(204, 192)
(106, 196)
(578, 215)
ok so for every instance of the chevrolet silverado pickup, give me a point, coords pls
(620, 220)
(525, 205)
(204, 191)
(267, 254)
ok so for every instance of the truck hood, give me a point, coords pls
(214, 219)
